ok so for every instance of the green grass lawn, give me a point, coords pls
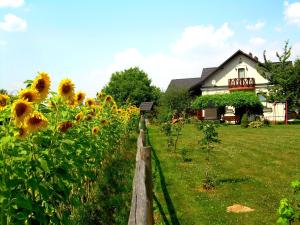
(252, 167)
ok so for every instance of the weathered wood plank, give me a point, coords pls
(141, 211)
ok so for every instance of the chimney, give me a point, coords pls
(255, 57)
(250, 53)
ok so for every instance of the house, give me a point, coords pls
(237, 73)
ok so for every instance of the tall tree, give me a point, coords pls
(132, 85)
(284, 77)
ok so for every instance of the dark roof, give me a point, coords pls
(207, 72)
(184, 84)
(146, 106)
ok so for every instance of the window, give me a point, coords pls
(241, 73)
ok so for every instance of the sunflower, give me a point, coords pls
(66, 89)
(100, 95)
(104, 122)
(36, 122)
(3, 101)
(23, 132)
(29, 95)
(21, 109)
(42, 85)
(114, 108)
(95, 130)
(79, 97)
(90, 102)
(65, 126)
(79, 116)
(108, 98)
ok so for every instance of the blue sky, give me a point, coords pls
(88, 40)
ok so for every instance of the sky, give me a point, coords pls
(87, 41)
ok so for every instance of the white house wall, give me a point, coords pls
(230, 71)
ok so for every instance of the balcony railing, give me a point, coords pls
(241, 84)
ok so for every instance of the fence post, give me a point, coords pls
(141, 210)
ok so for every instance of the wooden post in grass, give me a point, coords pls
(141, 210)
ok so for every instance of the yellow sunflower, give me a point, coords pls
(66, 89)
(3, 101)
(79, 116)
(29, 95)
(42, 85)
(100, 95)
(79, 97)
(36, 122)
(21, 109)
(90, 102)
(103, 122)
(23, 132)
(108, 98)
(95, 130)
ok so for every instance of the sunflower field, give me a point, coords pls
(53, 147)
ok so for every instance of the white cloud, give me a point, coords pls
(257, 26)
(292, 13)
(257, 41)
(199, 36)
(296, 50)
(182, 60)
(13, 23)
(11, 3)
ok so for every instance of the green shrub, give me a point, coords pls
(244, 121)
(289, 210)
(256, 124)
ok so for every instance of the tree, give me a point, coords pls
(3, 91)
(210, 136)
(132, 85)
(178, 101)
(284, 77)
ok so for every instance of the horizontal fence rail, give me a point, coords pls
(141, 211)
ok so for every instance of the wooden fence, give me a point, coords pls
(141, 211)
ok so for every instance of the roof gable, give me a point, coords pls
(207, 72)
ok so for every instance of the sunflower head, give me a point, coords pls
(29, 94)
(3, 101)
(79, 116)
(95, 130)
(100, 95)
(108, 98)
(79, 97)
(21, 109)
(66, 89)
(103, 122)
(90, 102)
(23, 132)
(36, 122)
(65, 126)
(114, 108)
(41, 84)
